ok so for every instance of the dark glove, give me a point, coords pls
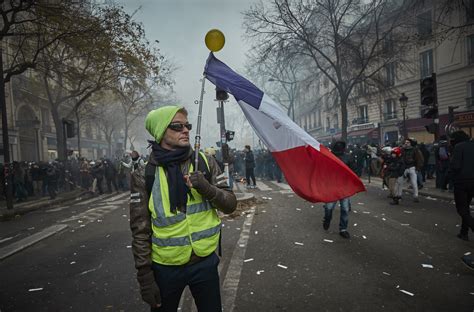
(200, 183)
(149, 290)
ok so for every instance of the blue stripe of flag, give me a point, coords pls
(226, 79)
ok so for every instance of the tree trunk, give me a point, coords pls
(59, 133)
(344, 118)
(78, 133)
(125, 136)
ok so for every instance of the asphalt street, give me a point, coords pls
(276, 257)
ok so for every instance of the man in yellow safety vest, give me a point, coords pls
(173, 217)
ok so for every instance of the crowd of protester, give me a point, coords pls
(40, 179)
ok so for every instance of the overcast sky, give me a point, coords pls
(180, 26)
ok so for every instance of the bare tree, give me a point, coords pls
(343, 38)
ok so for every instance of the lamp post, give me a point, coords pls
(403, 104)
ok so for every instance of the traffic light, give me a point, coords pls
(229, 135)
(221, 95)
(428, 97)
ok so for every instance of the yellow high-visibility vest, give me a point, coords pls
(176, 235)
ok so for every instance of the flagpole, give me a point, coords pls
(197, 144)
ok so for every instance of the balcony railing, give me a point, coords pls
(390, 116)
(360, 120)
(470, 101)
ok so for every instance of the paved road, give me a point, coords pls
(275, 258)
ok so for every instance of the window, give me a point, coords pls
(336, 121)
(387, 43)
(363, 114)
(424, 24)
(390, 74)
(470, 90)
(426, 63)
(470, 10)
(390, 109)
(470, 49)
(319, 118)
(45, 120)
(328, 123)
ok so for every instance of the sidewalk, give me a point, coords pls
(37, 203)
(428, 190)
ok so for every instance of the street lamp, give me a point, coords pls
(403, 104)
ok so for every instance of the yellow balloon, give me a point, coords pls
(215, 40)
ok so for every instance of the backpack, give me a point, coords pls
(443, 153)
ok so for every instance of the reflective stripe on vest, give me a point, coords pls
(176, 235)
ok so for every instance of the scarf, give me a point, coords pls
(170, 161)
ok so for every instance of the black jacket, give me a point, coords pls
(462, 162)
(249, 160)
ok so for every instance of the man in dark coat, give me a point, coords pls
(249, 167)
(110, 175)
(461, 169)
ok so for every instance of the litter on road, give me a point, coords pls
(328, 241)
(407, 211)
(431, 198)
(467, 253)
(248, 260)
(407, 292)
(241, 245)
(282, 266)
(355, 224)
(384, 219)
(364, 237)
(298, 209)
(256, 232)
(300, 244)
(385, 273)
(128, 247)
(366, 212)
(260, 272)
(360, 204)
(405, 224)
(35, 289)
(428, 266)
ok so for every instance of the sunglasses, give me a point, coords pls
(176, 126)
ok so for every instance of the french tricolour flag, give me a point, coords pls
(311, 170)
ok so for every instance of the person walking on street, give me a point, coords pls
(97, 172)
(413, 160)
(173, 217)
(461, 169)
(249, 167)
(394, 171)
(339, 149)
(110, 176)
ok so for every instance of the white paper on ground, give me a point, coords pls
(282, 266)
(407, 292)
(248, 260)
(300, 244)
(428, 266)
(35, 289)
(328, 240)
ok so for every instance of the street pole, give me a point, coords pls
(197, 144)
(405, 132)
(6, 143)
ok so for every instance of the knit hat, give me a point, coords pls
(158, 120)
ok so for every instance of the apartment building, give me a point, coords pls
(375, 116)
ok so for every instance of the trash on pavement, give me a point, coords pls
(364, 237)
(256, 232)
(360, 204)
(428, 266)
(260, 272)
(128, 247)
(467, 253)
(431, 198)
(366, 212)
(328, 241)
(264, 197)
(73, 262)
(35, 289)
(407, 292)
(300, 244)
(241, 245)
(298, 209)
(282, 266)
(407, 211)
(384, 219)
(248, 260)
(385, 273)
(355, 224)
(238, 229)
(405, 224)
